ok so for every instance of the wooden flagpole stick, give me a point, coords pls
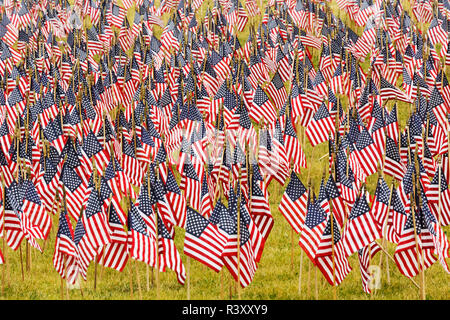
(62, 287)
(157, 236)
(138, 280)
(131, 274)
(384, 229)
(95, 257)
(439, 192)
(27, 257)
(239, 237)
(188, 278)
(301, 254)
(331, 215)
(300, 273)
(316, 285)
(292, 249)
(188, 268)
(419, 253)
(21, 262)
(5, 264)
(147, 276)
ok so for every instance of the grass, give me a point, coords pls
(277, 276)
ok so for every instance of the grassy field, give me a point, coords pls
(278, 272)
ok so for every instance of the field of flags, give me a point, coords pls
(126, 119)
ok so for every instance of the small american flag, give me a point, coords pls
(361, 228)
(203, 241)
(365, 255)
(293, 204)
(314, 226)
(320, 126)
(65, 258)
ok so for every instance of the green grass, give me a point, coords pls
(277, 276)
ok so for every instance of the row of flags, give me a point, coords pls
(126, 135)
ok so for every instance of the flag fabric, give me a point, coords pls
(293, 204)
(203, 241)
(365, 256)
(320, 126)
(361, 228)
(65, 258)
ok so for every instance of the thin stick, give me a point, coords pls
(309, 278)
(292, 249)
(239, 238)
(4, 236)
(157, 236)
(131, 276)
(62, 288)
(416, 190)
(188, 277)
(138, 280)
(316, 284)
(300, 273)
(27, 256)
(439, 193)
(21, 262)
(147, 275)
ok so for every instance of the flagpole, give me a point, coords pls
(385, 228)
(420, 261)
(157, 231)
(301, 251)
(4, 234)
(439, 192)
(239, 237)
(21, 262)
(188, 269)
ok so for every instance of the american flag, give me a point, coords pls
(294, 151)
(33, 208)
(313, 228)
(380, 205)
(95, 220)
(65, 257)
(251, 243)
(439, 107)
(86, 250)
(335, 267)
(436, 33)
(141, 240)
(293, 204)
(31, 232)
(259, 203)
(168, 254)
(75, 190)
(333, 195)
(263, 107)
(365, 256)
(439, 198)
(361, 228)
(191, 185)
(393, 165)
(408, 259)
(115, 254)
(203, 241)
(14, 234)
(176, 199)
(367, 153)
(320, 126)
(440, 241)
